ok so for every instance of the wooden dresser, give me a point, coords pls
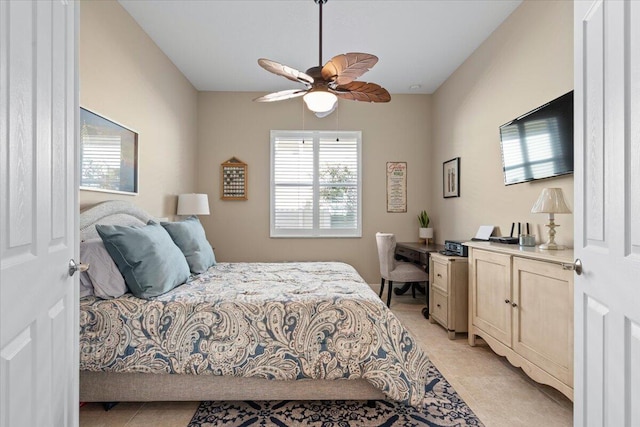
(521, 304)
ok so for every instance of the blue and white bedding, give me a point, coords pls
(278, 321)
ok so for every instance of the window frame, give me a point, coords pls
(315, 231)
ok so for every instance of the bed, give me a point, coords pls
(245, 331)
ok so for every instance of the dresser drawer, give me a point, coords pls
(440, 275)
(439, 307)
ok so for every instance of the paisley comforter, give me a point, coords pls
(271, 320)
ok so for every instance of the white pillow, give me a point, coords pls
(86, 287)
(106, 279)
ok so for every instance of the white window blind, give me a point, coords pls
(315, 184)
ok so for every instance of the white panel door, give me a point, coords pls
(38, 214)
(607, 206)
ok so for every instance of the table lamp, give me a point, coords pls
(551, 201)
(193, 204)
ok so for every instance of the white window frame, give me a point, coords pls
(315, 231)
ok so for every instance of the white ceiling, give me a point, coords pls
(216, 44)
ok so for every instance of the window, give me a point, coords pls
(315, 184)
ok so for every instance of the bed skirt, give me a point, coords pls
(140, 387)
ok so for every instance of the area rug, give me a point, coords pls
(441, 407)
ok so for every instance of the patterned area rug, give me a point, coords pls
(441, 406)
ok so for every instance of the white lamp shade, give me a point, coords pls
(193, 204)
(320, 101)
(551, 200)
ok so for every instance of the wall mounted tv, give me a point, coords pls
(539, 144)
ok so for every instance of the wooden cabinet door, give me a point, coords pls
(543, 316)
(490, 278)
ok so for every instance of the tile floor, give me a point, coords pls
(500, 394)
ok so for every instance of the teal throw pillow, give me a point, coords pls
(190, 237)
(146, 256)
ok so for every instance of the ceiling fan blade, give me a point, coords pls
(345, 68)
(282, 95)
(361, 91)
(285, 71)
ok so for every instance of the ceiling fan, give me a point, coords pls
(324, 85)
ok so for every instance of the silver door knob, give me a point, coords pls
(576, 266)
(73, 267)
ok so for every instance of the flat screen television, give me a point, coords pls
(539, 144)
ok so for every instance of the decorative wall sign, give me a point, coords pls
(233, 181)
(451, 178)
(396, 187)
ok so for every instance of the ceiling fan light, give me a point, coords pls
(320, 101)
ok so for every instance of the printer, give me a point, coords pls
(455, 248)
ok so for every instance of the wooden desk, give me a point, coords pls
(417, 253)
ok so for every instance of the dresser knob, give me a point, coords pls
(507, 301)
(513, 304)
(439, 275)
(438, 305)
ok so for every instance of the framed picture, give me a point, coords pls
(233, 180)
(108, 155)
(451, 178)
(396, 187)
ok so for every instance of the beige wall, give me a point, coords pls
(125, 77)
(230, 124)
(526, 62)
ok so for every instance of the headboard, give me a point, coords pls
(111, 212)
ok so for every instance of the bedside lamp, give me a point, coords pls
(193, 204)
(551, 201)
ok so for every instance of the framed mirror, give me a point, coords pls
(108, 155)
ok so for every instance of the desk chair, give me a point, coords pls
(394, 271)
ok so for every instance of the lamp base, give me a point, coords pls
(551, 242)
(551, 247)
